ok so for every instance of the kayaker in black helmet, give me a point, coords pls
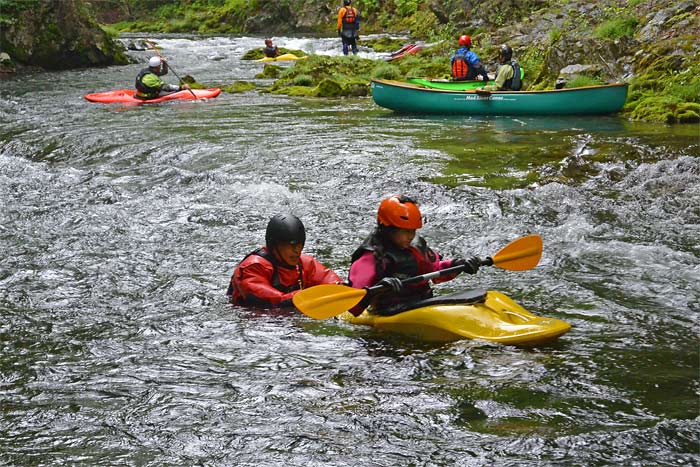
(393, 252)
(270, 276)
(508, 75)
(148, 82)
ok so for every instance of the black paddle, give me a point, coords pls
(153, 46)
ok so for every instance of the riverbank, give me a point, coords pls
(651, 45)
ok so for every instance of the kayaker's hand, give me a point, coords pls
(393, 283)
(185, 86)
(471, 265)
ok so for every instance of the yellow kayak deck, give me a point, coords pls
(280, 58)
(497, 318)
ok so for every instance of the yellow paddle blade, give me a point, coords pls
(327, 300)
(520, 255)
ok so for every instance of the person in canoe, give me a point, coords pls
(271, 50)
(508, 75)
(349, 27)
(394, 252)
(148, 82)
(270, 276)
(465, 63)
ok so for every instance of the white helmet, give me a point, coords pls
(154, 62)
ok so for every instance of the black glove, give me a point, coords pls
(393, 283)
(471, 265)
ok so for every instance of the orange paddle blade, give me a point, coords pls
(327, 300)
(520, 255)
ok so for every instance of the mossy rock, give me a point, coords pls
(666, 109)
(385, 44)
(329, 88)
(238, 87)
(296, 91)
(270, 72)
(257, 54)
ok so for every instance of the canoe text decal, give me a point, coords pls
(476, 97)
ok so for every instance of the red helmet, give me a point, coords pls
(399, 211)
(465, 41)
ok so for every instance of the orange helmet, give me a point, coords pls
(399, 211)
(465, 41)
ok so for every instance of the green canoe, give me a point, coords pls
(448, 84)
(413, 98)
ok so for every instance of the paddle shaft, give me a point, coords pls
(153, 46)
(431, 275)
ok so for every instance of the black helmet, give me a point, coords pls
(284, 228)
(506, 52)
(347, 2)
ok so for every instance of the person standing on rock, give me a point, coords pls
(349, 27)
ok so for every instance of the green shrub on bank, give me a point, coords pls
(616, 28)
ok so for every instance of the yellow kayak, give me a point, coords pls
(280, 58)
(474, 314)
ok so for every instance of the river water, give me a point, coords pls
(120, 227)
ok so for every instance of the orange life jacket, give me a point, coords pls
(460, 68)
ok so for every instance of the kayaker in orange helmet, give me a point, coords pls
(349, 27)
(148, 82)
(270, 276)
(270, 50)
(465, 63)
(394, 252)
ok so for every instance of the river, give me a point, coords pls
(120, 227)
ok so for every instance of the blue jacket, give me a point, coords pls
(471, 57)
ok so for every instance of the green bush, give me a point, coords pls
(583, 81)
(303, 80)
(616, 28)
(387, 71)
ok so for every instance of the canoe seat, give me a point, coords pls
(466, 297)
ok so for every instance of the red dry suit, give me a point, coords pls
(263, 282)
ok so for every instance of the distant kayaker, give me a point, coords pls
(270, 276)
(270, 50)
(349, 27)
(465, 63)
(508, 75)
(148, 82)
(393, 252)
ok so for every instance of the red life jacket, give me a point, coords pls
(460, 67)
(350, 15)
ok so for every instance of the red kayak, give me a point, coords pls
(126, 96)
(408, 49)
